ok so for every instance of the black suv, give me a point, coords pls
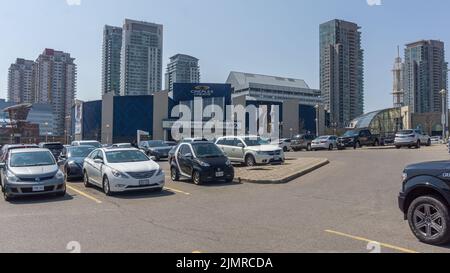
(300, 142)
(425, 199)
(202, 162)
(357, 138)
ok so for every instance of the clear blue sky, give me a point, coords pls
(276, 37)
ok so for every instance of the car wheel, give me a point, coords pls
(61, 194)
(429, 143)
(6, 196)
(376, 143)
(398, 147)
(250, 161)
(429, 220)
(174, 174)
(86, 180)
(418, 144)
(196, 178)
(357, 145)
(285, 149)
(106, 186)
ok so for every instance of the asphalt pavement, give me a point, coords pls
(341, 207)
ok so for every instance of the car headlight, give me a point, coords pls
(228, 163)
(159, 172)
(11, 177)
(59, 175)
(404, 177)
(204, 164)
(118, 174)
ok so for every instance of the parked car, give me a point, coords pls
(54, 147)
(93, 143)
(121, 170)
(72, 160)
(202, 162)
(436, 140)
(302, 142)
(358, 138)
(250, 150)
(411, 138)
(9, 147)
(29, 172)
(424, 201)
(284, 143)
(156, 148)
(324, 143)
(122, 145)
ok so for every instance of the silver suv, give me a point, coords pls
(411, 138)
(250, 150)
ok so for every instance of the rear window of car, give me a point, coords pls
(406, 132)
(54, 146)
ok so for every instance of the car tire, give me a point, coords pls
(376, 143)
(86, 180)
(106, 186)
(423, 230)
(398, 147)
(429, 143)
(6, 196)
(250, 161)
(61, 194)
(196, 178)
(174, 174)
(357, 145)
(285, 149)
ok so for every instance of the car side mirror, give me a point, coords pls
(240, 145)
(98, 161)
(2, 165)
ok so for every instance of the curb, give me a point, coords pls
(287, 179)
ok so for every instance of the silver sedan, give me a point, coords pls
(324, 143)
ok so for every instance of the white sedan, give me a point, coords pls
(324, 143)
(120, 170)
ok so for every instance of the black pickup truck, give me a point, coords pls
(358, 138)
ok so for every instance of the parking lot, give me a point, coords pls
(340, 207)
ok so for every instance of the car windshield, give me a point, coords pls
(255, 141)
(126, 156)
(92, 143)
(31, 159)
(125, 145)
(80, 151)
(207, 150)
(406, 132)
(154, 144)
(351, 133)
(323, 138)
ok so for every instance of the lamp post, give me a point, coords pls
(317, 119)
(107, 133)
(444, 114)
(46, 131)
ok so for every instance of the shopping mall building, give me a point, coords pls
(117, 119)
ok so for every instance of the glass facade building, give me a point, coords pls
(383, 122)
(112, 46)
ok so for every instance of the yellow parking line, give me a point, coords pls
(84, 194)
(401, 249)
(177, 191)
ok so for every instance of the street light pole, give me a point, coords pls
(444, 114)
(317, 120)
(46, 132)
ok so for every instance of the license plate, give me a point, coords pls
(38, 188)
(219, 174)
(145, 182)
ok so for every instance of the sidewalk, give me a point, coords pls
(279, 174)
